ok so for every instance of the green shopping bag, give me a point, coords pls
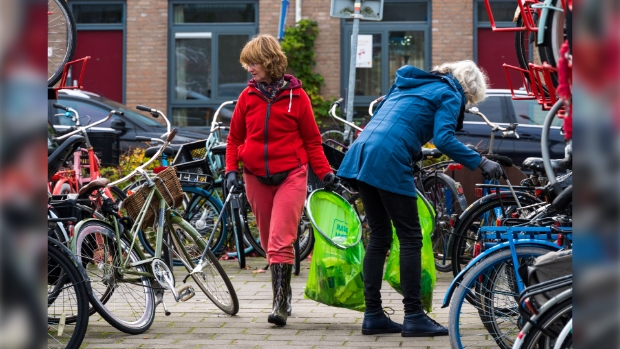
(392, 270)
(335, 277)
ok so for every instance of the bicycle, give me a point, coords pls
(67, 297)
(119, 270)
(487, 288)
(61, 39)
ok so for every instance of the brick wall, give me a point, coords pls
(327, 44)
(452, 30)
(147, 53)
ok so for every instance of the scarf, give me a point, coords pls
(270, 90)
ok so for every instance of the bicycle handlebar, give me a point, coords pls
(156, 113)
(171, 135)
(82, 128)
(59, 106)
(217, 113)
(372, 104)
(332, 113)
(510, 130)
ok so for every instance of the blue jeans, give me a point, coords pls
(382, 209)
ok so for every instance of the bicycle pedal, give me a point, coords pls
(186, 293)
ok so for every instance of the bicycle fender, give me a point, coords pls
(474, 205)
(59, 184)
(503, 246)
(461, 197)
(546, 6)
(78, 227)
(64, 249)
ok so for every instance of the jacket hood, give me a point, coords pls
(410, 77)
(293, 82)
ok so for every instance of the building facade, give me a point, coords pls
(182, 56)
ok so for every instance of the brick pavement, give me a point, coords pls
(197, 323)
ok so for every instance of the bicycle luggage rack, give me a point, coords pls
(65, 73)
(538, 83)
(531, 93)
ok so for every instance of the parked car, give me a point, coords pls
(500, 108)
(92, 107)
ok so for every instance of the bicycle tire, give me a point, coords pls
(444, 199)
(96, 249)
(465, 317)
(213, 280)
(239, 236)
(465, 232)
(305, 237)
(252, 235)
(61, 39)
(335, 135)
(555, 34)
(67, 285)
(553, 321)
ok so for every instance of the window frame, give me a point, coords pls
(383, 28)
(215, 29)
(108, 26)
(487, 24)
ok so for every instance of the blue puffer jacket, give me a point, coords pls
(419, 107)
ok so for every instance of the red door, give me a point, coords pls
(104, 71)
(495, 49)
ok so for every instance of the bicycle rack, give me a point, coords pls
(65, 73)
(525, 74)
(527, 13)
(538, 83)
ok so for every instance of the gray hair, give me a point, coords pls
(470, 76)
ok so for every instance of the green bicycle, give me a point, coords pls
(128, 284)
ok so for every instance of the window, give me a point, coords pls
(529, 112)
(207, 38)
(492, 109)
(401, 38)
(96, 13)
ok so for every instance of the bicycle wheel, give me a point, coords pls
(212, 278)
(552, 322)
(465, 233)
(305, 237)
(466, 326)
(239, 235)
(335, 135)
(252, 236)
(201, 210)
(555, 35)
(126, 302)
(525, 46)
(61, 39)
(67, 299)
(444, 199)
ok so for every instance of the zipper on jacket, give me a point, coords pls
(266, 138)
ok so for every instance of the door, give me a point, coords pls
(104, 71)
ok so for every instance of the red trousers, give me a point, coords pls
(278, 211)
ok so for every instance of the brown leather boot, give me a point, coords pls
(281, 283)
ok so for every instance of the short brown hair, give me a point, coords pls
(265, 49)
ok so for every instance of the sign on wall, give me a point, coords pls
(364, 51)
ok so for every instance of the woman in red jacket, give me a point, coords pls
(274, 134)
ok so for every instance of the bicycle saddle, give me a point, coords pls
(431, 152)
(62, 153)
(99, 182)
(219, 149)
(536, 164)
(170, 151)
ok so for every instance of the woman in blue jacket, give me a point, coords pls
(420, 106)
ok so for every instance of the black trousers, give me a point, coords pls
(382, 209)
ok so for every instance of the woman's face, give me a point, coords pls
(258, 72)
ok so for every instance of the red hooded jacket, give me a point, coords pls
(275, 137)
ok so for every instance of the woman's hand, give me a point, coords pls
(331, 181)
(492, 168)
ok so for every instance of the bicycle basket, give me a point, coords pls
(192, 163)
(333, 155)
(168, 185)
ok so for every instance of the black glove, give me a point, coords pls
(491, 168)
(231, 181)
(331, 181)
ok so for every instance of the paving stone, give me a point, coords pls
(200, 324)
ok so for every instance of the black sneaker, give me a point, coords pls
(420, 325)
(379, 322)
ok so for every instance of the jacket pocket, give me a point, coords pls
(240, 151)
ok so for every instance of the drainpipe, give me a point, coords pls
(297, 11)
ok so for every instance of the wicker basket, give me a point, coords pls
(168, 185)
